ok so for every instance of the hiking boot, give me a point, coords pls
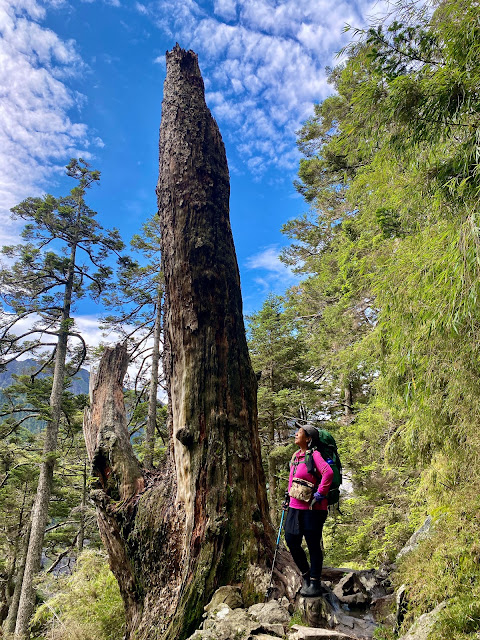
(313, 590)
(305, 582)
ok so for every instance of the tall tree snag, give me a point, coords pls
(202, 520)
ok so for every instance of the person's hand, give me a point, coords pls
(319, 496)
(286, 501)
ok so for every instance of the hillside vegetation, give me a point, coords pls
(388, 306)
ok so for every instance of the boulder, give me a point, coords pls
(317, 612)
(361, 628)
(229, 595)
(311, 633)
(269, 612)
(260, 622)
(223, 623)
(373, 583)
(419, 535)
(421, 628)
(352, 590)
(334, 574)
(358, 599)
(382, 609)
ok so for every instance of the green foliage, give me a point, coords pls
(86, 606)
(390, 302)
(277, 349)
(71, 521)
(296, 618)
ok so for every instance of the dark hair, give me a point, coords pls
(312, 433)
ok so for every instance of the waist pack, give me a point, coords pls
(301, 490)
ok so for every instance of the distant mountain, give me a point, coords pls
(21, 367)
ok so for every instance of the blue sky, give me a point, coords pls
(85, 79)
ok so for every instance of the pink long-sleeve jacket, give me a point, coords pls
(323, 469)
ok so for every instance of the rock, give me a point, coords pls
(311, 633)
(355, 627)
(333, 574)
(274, 629)
(373, 583)
(402, 602)
(316, 612)
(381, 609)
(368, 580)
(229, 595)
(355, 599)
(224, 623)
(260, 622)
(417, 537)
(269, 612)
(421, 628)
(351, 589)
(286, 604)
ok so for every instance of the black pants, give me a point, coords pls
(306, 524)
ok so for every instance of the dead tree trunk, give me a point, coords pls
(202, 520)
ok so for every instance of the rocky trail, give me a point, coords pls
(353, 605)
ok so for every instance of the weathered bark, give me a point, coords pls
(202, 519)
(211, 385)
(114, 464)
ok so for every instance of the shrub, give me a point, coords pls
(86, 606)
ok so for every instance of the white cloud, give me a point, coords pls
(160, 60)
(111, 3)
(263, 62)
(267, 259)
(141, 8)
(225, 9)
(274, 275)
(37, 135)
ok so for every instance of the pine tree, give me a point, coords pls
(278, 353)
(20, 457)
(46, 277)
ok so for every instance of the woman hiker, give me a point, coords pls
(310, 480)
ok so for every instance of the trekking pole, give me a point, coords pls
(284, 509)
